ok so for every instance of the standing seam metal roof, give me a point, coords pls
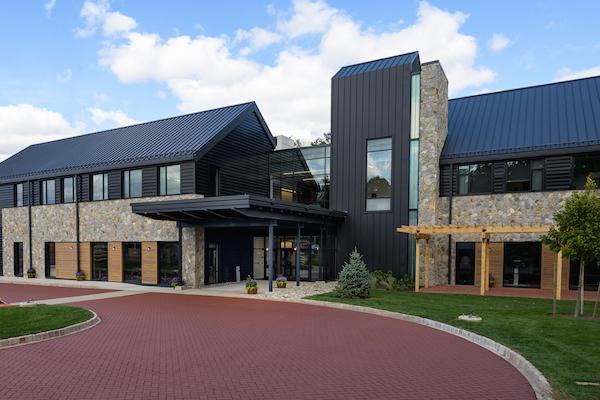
(549, 117)
(389, 62)
(170, 139)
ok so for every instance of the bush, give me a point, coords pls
(385, 280)
(354, 278)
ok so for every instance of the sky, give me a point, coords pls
(73, 67)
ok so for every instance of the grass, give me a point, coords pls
(18, 321)
(564, 349)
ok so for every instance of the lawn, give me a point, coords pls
(18, 321)
(564, 349)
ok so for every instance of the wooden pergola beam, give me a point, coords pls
(426, 263)
(429, 230)
(558, 282)
(417, 263)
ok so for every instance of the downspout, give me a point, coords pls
(77, 225)
(450, 222)
(179, 238)
(29, 188)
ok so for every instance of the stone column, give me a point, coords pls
(193, 256)
(433, 130)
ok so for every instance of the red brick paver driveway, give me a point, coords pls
(14, 293)
(161, 346)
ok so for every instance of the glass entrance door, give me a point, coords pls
(100, 261)
(212, 263)
(50, 260)
(465, 263)
(132, 262)
(522, 264)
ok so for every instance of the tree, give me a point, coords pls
(577, 233)
(326, 139)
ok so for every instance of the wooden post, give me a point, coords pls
(417, 262)
(426, 263)
(484, 242)
(487, 266)
(559, 265)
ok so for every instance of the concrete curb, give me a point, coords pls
(538, 382)
(55, 333)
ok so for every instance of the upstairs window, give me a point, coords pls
(48, 192)
(518, 176)
(586, 166)
(132, 183)
(475, 178)
(379, 174)
(68, 193)
(100, 187)
(537, 175)
(19, 195)
(170, 180)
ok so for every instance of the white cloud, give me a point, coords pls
(112, 118)
(256, 39)
(499, 42)
(97, 14)
(65, 76)
(293, 90)
(24, 124)
(567, 74)
(49, 6)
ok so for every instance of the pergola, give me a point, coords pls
(424, 232)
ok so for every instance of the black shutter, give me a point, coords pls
(58, 187)
(37, 193)
(7, 196)
(85, 188)
(188, 176)
(559, 173)
(114, 185)
(454, 180)
(149, 181)
(499, 177)
(445, 180)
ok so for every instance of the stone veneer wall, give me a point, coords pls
(433, 130)
(100, 221)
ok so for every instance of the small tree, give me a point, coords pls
(577, 233)
(326, 139)
(354, 278)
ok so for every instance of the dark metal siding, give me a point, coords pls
(365, 106)
(499, 177)
(149, 181)
(114, 184)
(559, 173)
(188, 177)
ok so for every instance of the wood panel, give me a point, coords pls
(85, 259)
(547, 266)
(115, 261)
(150, 263)
(66, 260)
(497, 262)
(565, 273)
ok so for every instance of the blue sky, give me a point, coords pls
(70, 67)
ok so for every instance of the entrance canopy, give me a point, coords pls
(237, 211)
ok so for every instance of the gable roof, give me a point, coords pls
(539, 120)
(175, 139)
(383, 63)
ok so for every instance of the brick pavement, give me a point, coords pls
(14, 293)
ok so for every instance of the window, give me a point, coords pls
(168, 262)
(68, 193)
(518, 176)
(170, 180)
(48, 192)
(100, 187)
(50, 258)
(474, 179)
(100, 261)
(18, 258)
(537, 175)
(132, 262)
(132, 183)
(379, 174)
(19, 195)
(586, 166)
(215, 180)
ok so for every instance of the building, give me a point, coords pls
(208, 198)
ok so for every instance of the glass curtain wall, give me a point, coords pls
(168, 262)
(413, 185)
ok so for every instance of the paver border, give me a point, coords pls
(52, 334)
(539, 383)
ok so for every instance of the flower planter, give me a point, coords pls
(252, 290)
(31, 274)
(281, 284)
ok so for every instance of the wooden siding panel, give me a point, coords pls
(150, 263)
(66, 260)
(565, 273)
(85, 259)
(497, 262)
(149, 181)
(115, 262)
(114, 185)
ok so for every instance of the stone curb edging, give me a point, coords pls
(538, 382)
(55, 333)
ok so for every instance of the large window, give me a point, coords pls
(379, 174)
(100, 261)
(48, 192)
(170, 180)
(68, 193)
(475, 179)
(518, 176)
(132, 262)
(50, 258)
(100, 186)
(537, 175)
(19, 195)
(132, 183)
(586, 166)
(18, 259)
(168, 262)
